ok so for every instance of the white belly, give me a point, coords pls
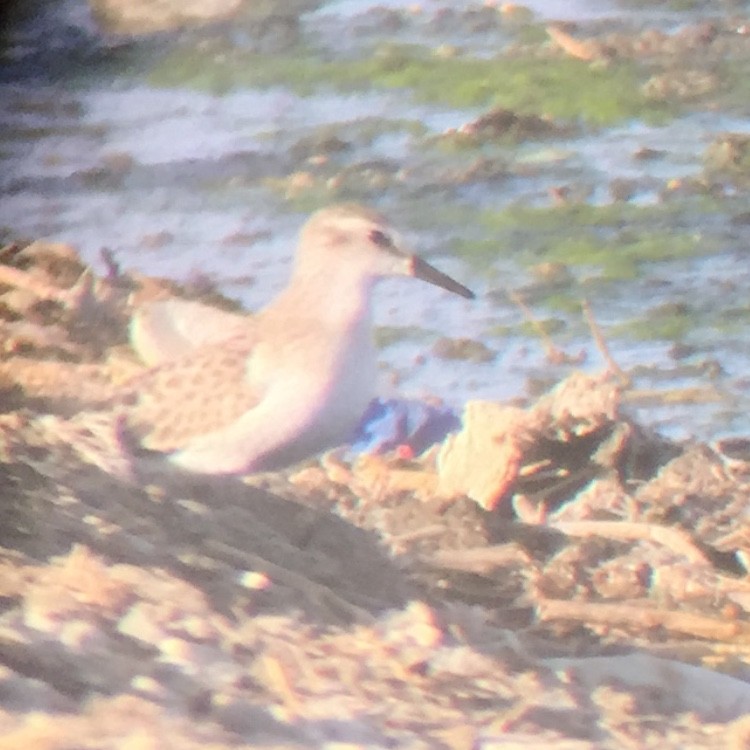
(312, 399)
(322, 412)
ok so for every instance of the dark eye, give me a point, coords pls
(381, 239)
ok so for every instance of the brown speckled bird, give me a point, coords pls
(263, 392)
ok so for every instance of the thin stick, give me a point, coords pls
(552, 352)
(641, 618)
(601, 344)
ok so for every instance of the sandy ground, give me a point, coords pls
(554, 576)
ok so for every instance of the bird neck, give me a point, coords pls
(339, 300)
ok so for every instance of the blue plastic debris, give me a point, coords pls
(394, 423)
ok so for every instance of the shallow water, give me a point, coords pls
(177, 181)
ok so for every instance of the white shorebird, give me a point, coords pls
(232, 394)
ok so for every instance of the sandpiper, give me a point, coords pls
(264, 392)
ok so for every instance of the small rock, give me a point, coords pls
(468, 349)
(144, 17)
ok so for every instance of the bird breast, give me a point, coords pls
(322, 385)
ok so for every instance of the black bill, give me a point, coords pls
(421, 269)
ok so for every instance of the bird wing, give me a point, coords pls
(169, 329)
(201, 392)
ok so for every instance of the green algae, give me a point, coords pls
(546, 326)
(622, 258)
(671, 5)
(385, 336)
(667, 322)
(614, 241)
(526, 329)
(563, 88)
(563, 302)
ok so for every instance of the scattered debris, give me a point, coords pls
(460, 595)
